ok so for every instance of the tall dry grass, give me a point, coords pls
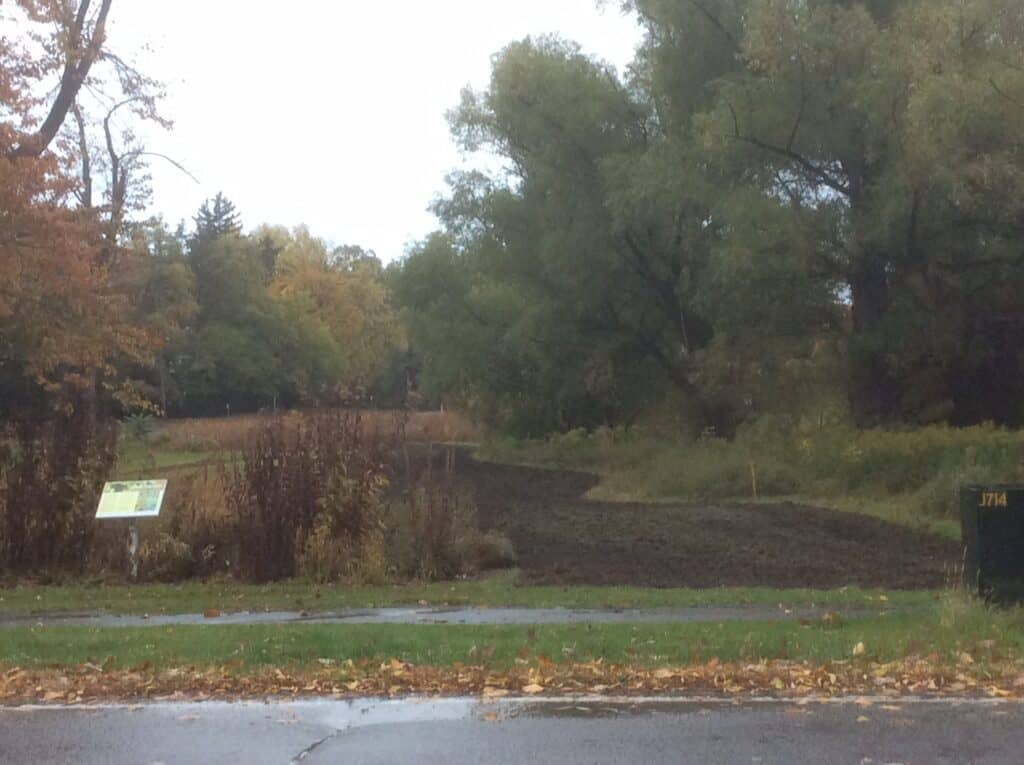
(233, 433)
(305, 494)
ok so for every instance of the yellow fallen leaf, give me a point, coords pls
(858, 650)
(533, 688)
(863, 719)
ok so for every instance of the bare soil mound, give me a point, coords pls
(562, 538)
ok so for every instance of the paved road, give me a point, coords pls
(447, 616)
(572, 732)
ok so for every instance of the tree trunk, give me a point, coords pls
(874, 393)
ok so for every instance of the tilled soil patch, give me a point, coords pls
(563, 538)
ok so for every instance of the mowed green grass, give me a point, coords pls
(494, 591)
(986, 635)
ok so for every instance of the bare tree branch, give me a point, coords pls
(816, 172)
(715, 22)
(85, 193)
(80, 58)
(164, 157)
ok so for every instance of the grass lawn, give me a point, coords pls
(137, 462)
(891, 509)
(494, 591)
(947, 632)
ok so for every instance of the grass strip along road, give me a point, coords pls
(957, 647)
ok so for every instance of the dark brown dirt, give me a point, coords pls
(562, 538)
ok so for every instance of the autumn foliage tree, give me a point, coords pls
(66, 306)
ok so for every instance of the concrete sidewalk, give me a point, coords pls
(425, 615)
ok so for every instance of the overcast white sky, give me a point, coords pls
(330, 113)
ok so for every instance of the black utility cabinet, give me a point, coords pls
(992, 519)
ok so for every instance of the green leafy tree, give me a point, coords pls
(778, 185)
(596, 289)
(828, 112)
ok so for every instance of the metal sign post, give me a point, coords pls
(131, 500)
(133, 549)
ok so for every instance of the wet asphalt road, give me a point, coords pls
(562, 731)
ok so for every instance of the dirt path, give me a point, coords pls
(562, 538)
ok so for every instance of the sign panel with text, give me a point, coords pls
(131, 499)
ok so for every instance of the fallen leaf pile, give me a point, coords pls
(914, 676)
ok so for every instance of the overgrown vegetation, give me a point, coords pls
(51, 474)
(309, 498)
(308, 495)
(913, 475)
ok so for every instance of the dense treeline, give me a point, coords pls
(805, 207)
(275, 318)
(106, 312)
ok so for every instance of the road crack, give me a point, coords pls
(315, 745)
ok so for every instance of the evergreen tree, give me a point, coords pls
(216, 217)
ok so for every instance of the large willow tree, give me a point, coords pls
(771, 178)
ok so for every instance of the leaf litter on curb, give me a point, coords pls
(784, 679)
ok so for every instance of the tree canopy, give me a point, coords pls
(774, 185)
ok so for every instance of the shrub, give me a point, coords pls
(197, 516)
(433, 534)
(51, 476)
(324, 473)
(489, 551)
(329, 557)
(164, 558)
